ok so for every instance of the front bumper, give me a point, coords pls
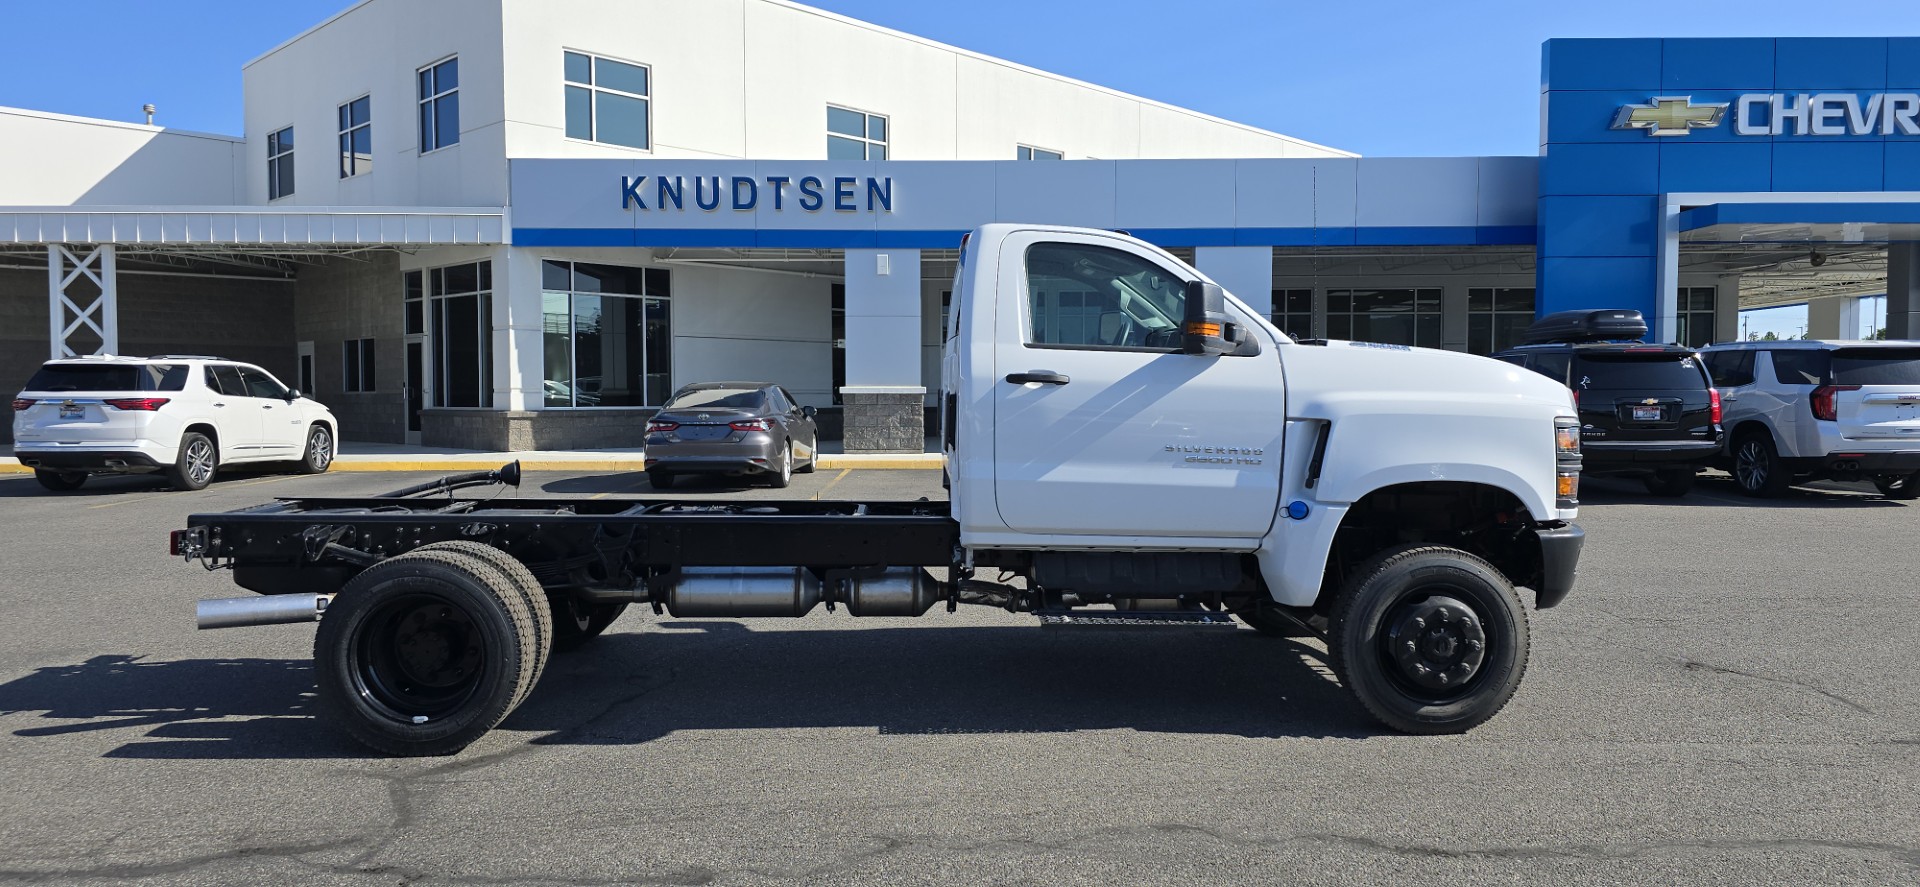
(1559, 560)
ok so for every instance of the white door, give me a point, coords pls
(1101, 426)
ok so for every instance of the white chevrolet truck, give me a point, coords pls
(1126, 444)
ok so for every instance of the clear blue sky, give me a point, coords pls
(1382, 78)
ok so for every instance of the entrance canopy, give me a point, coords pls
(1809, 223)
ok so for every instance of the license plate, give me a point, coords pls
(1648, 414)
(703, 432)
(73, 412)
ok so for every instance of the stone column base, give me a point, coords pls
(885, 419)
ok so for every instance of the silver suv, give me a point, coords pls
(1808, 410)
(182, 416)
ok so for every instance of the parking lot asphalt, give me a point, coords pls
(1727, 698)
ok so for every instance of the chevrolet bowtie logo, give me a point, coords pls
(1669, 116)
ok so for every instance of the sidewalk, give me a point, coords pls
(357, 456)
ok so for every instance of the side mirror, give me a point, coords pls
(1206, 328)
(809, 412)
(293, 394)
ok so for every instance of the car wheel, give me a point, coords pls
(319, 455)
(1673, 482)
(1430, 639)
(1757, 467)
(783, 474)
(813, 457)
(61, 481)
(661, 480)
(198, 461)
(1898, 486)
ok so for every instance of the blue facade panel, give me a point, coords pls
(1597, 283)
(1597, 226)
(1576, 169)
(1715, 166)
(1903, 166)
(1744, 63)
(1809, 64)
(1903, 63)
(1828, 166)
(1601, 64)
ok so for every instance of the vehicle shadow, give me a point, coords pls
(631, 688)
(25, 487)
(1713, 490)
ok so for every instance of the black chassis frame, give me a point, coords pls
(580, 546)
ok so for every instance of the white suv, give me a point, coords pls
(1803, 410)
(185, 416)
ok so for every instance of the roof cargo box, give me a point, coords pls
(1588, 325)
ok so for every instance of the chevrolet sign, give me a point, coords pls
(1780, 114)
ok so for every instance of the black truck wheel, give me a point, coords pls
(1671, 482)
(529, 587)
(575, 622)
(423, 653)
(61, 481)
(1430, 639)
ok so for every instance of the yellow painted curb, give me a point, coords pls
(924, 461)
(11, 466)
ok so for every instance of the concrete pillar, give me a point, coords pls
(519, 373)
(1453, 318)
(1245, 271)
(884, 398)
(1903, 291)
(1824, 318)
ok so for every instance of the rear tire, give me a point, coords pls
(813, 457)
(61, 481)
(320, 450)
(783, 475)
(1670, 482)
(197, 463)
(423, 653)
(575, 622)
(1898, 486)
(529, 587)
(1430, 639)
(661, 480)
(1757, 467)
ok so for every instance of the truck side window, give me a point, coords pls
(1800, 367)
(1084, 296)
(1730, 369)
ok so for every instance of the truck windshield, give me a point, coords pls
(92, 378)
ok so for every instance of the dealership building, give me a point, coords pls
(521, 225)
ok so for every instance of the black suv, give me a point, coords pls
(1647, 410)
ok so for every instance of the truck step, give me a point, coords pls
(1134, 619)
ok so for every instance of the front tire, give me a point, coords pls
(1430, 639)
(320, 450)
(1757, 467)
(1670, 482)
(61, 481)
(197, 463)
(1898, 486)
(423, 653)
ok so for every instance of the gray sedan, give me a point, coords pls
(733, 429)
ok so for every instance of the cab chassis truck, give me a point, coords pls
(1125, 444)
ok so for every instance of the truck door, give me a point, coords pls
(1101, 426)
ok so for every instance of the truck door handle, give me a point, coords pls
(1044, 377)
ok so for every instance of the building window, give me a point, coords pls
(356, 137)
(460, 307)
(357, 366)
(1387, 316)
(855, 135)
(1293, 313)
(839, 310)
(608, 335)
(416, 304)
(1497, 319)
(608, 101)
(1695, 316)
(439, 105)
(1029, 153)
(280, 164)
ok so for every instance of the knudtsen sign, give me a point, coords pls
(811, 194)
(1780, 114)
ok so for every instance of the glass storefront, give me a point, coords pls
(608, 335)
(1388, 316)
